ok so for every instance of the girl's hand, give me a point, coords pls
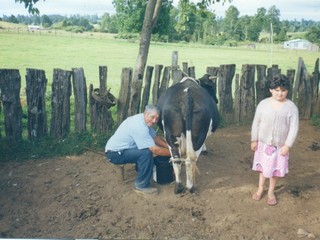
(254, 145)
(284, 150)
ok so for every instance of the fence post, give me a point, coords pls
(146, 90)
(60, 103)
(124, 95)
(225, 91)
(165, 81)
(302, 91)
(315, 79)
(262, 90)
(237, 102)
(176, 72)
(156, 83)
(100, 102)
(80, 99)
(247, 93)
(10, 84)
(290, 74)
(36, 86)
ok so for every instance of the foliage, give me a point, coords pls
(315, 120)
(48, 147)
(313, 34)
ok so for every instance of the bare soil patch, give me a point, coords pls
(85, 197)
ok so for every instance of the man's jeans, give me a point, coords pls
(143, 159)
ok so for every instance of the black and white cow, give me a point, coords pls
(189, 114)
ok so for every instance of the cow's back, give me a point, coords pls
(174, 104)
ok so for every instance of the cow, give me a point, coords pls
(189, 114)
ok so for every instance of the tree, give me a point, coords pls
(231, 25)
(273, 17)
(313, 35)
(13, 19)
(46, 22)
(108, 23)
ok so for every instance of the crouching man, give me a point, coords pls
(135, 141)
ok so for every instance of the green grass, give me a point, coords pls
(49, 50)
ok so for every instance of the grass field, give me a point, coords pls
(47, 50)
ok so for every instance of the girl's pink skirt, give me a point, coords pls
(268, 160)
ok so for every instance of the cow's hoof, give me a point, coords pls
(178, 188)
(193, 190)
(205, 153)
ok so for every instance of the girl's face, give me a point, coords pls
(279, 94)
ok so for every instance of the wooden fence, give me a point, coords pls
(237, 100)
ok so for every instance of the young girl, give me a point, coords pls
(274, 130)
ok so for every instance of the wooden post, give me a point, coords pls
(247, 90)
(262, 90)
(290, 74)
(146, 90)
(156, 83)
(315, 80)
(124, 95)
(36, 86)
(213, 71)
(225, 91)
(185, 72)
(10, 84)
(176, 72)
(302, 91)
(165, 81)
(80, 99)
(237, 102)
(60, 103)
(192, 72)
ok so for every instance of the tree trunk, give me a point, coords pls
(10, 84)
(36, 86)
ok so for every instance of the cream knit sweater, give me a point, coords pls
(275, 127)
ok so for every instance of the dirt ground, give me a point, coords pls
(85, 197)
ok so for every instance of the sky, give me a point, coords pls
(289, 9)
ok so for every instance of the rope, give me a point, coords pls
(106, 99)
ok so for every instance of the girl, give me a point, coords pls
(274, 130)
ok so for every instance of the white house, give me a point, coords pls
(33, 27)
(300, 44)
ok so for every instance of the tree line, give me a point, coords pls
(188, 22)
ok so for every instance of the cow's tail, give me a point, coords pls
(189, 115)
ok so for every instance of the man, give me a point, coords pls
(135, 141)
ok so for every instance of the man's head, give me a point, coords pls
(151, 114)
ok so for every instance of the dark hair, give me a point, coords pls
(279, 80)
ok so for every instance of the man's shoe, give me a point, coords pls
(146, 191)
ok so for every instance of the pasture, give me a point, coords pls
(84, 197)
(53, 49)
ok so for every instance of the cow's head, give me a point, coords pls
(208, 82)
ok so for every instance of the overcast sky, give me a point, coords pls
(289, 9)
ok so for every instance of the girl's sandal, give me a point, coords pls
(272, 201)
(256, 196)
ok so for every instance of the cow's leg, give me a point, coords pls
(190, 174)
(178, 188)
